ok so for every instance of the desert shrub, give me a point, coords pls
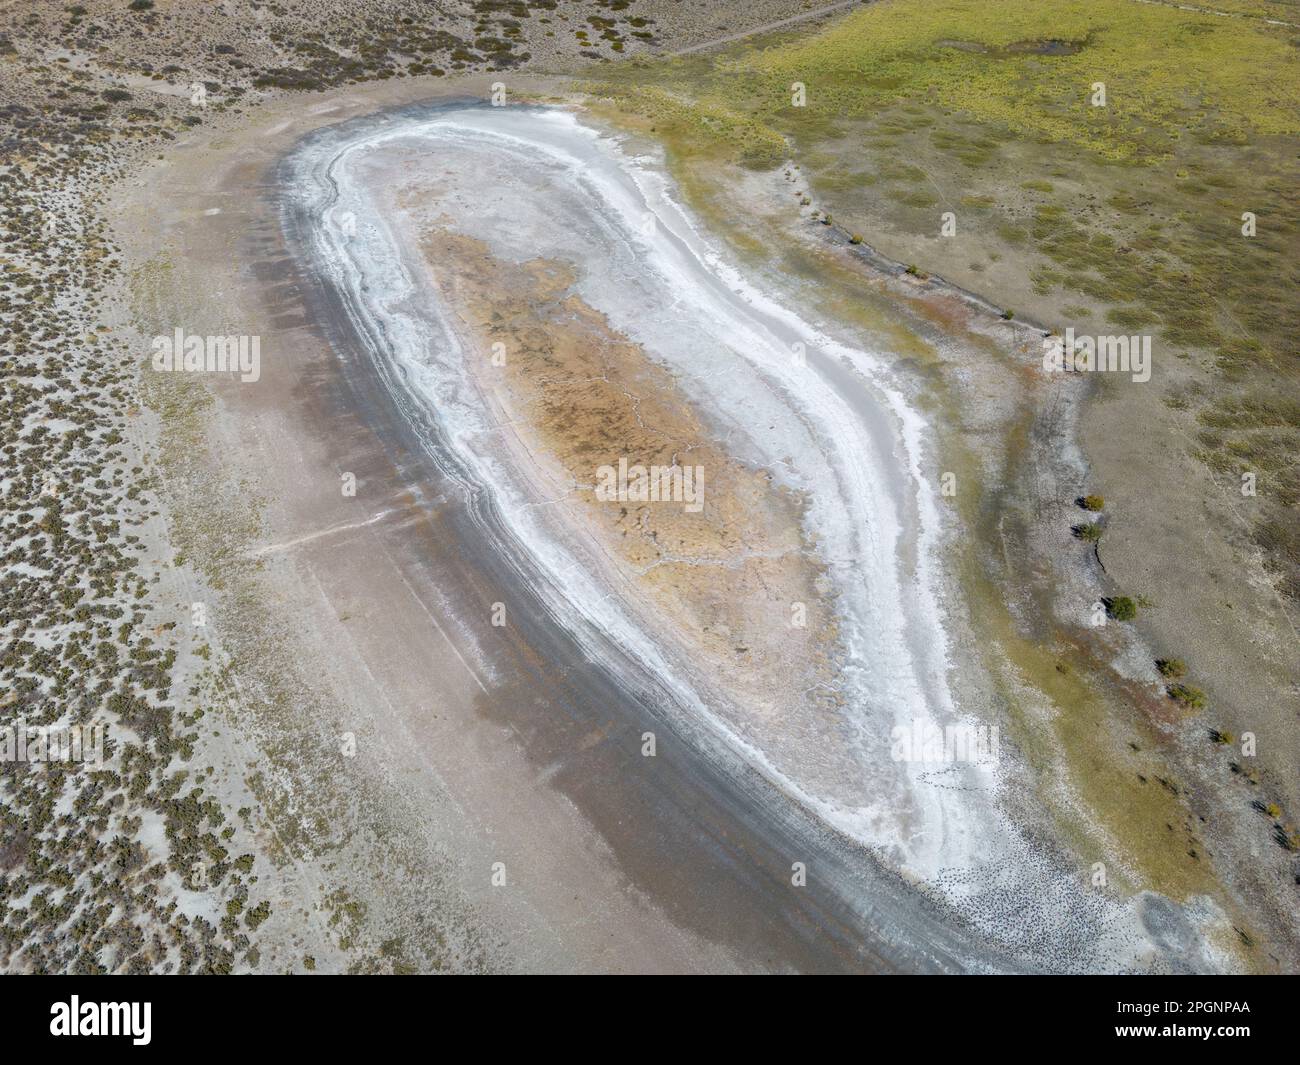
(1121, 608)
(1187, 695)
(257, 915)
(1171, 667)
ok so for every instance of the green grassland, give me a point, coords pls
(1169, 74)
(1124, 217)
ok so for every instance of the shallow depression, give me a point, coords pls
(824, 419)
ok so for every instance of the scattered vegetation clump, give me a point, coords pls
(78, 645)
(708, 127)
(1172, 668)
(1121, 608)
(1187, 695)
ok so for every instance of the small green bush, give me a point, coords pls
(1121, 608)
(1187, 695)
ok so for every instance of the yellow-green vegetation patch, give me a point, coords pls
(1032, 66)
(1139, 812)
(1277, 10)
(1127, 216)
(703, 123)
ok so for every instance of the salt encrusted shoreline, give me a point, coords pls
(1090, 930)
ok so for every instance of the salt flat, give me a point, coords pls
(827, 421)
